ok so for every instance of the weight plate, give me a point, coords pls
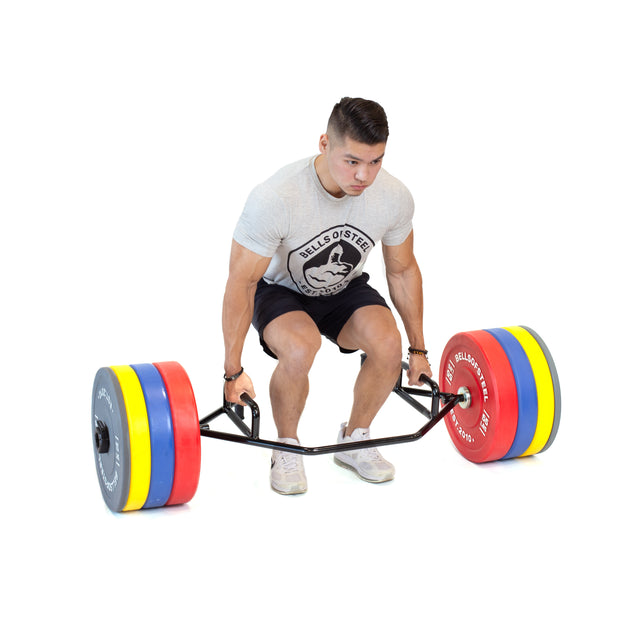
(486, 429)
(110, 431)
(556, 388)
(160, 434)
(140, 446)
(526, 388)
(544, 386)
(186, 431)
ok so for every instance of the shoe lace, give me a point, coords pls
(371, 455)
(288, 461)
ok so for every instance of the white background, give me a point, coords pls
(130, 135)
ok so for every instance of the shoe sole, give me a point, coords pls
(346, 465)
(293, 492)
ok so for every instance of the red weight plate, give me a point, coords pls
(486, 429)
(186, 431)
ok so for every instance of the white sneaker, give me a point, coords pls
(287, 470)
(367, 463)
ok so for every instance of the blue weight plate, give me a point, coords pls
(526, 389)
(160, 434)
(556, 387)
(110, 431)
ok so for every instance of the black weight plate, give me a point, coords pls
(110, 431)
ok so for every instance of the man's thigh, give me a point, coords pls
(292, 333)
(367, 327)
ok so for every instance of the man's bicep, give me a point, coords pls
(398, 258)
(246, 266)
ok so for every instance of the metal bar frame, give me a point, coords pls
(251, 435)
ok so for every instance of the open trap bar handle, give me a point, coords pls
(251, 435)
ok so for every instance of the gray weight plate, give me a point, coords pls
(556, 387)
(110, 432)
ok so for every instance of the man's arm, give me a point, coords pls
(245, 270)
(405, 288)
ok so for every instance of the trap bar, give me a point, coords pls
(251, 434)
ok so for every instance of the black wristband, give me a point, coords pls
(418, 352)
(235, 376)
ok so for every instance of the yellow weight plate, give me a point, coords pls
(544, 386)
(139, 440)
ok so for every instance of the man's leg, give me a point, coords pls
(294, 339)
(372, 329)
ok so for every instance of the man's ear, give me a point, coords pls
(324, 143)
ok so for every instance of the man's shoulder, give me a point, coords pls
(388, 181)
(282, 191)
(288, 177)
(388, 188)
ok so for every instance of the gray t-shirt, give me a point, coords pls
(319, 243)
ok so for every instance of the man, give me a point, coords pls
(296, 272)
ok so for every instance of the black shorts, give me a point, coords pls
(330, 313)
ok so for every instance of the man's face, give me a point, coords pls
(351, 166)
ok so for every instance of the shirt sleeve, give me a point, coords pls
(263, 223)
(403, 218)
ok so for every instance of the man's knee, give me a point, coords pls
(300, 349)
(386, 345)
(373, 329)
(295, 341)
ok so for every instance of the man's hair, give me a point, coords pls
(361, 120)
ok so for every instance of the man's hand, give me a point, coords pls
(234, 389)
(418, 365)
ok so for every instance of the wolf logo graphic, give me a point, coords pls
(325, 264)
(331, 273)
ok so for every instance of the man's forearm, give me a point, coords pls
(237, 312)
(405, 289)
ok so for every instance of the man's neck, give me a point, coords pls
(325, 178)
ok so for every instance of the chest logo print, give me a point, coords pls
(326, 264)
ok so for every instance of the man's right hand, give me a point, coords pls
(234, 389)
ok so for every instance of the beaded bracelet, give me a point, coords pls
(418, 352)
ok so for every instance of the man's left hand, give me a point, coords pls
(418, 365)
